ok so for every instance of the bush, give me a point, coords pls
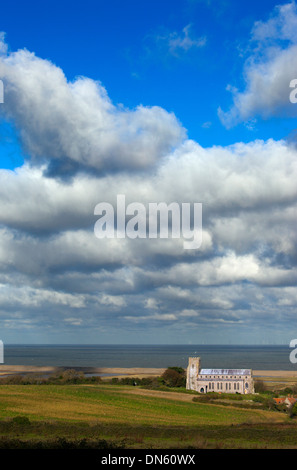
(147, 381)
(293, 410)
(72, 376)
(94, 379)
(294, 389)
(174, 377)
(260, 386)
(68, 376)
(287, 391)
(129, 381)
(269, 404)
(206, 397)
(21, 420)
(12, 380)
(151, 382)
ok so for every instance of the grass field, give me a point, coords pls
(123, 416)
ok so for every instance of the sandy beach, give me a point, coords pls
(110, 371)
(275, 373)
(278, 375)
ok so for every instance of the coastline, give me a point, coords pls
(127, 371)
(110, 371)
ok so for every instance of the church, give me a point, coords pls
(218, 380)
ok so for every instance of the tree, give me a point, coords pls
(72, 376)
(293, 410)
(174, 377)
(260, 386)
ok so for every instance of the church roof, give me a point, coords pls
(225, 372)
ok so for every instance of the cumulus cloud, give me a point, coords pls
(55, 272)
(116, 301)
(282, 25)
(27, 296)
(73, 126)
(268, 70)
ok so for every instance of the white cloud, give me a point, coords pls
(282, 24)
(184, 41)
(242, 211)
(51, 261)
(27, 296)
(113, 300)
(74, 125)
(189, 313)
(165, 317)
(222, 270)
(3, 45)
(74, 321)
(268, 71)
(150, 303)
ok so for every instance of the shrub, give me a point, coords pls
(174, 377)
(94, 379)
(129, 381)
(152, 382)
(21, 420)
(260, 386)
(12, 380)
(293, 410)
(72, 376)
(68, 376)
(269, 404)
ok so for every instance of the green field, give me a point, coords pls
(111, 416)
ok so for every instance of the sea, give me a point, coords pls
(153, 356)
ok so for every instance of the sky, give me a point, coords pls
(184, 101)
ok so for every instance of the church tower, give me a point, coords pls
(192, 373)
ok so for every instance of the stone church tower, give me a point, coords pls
(193, 372)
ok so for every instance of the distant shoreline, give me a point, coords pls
(123, 371)
(111, 371)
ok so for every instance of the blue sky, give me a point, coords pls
(183, 100)
(129, 40)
